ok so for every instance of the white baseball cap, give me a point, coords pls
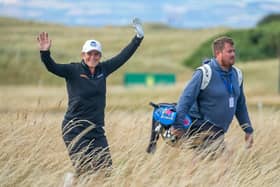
(92, 45)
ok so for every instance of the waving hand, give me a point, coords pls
(44, 41)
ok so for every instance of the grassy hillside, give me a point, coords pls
(260, 43)
(162, 50)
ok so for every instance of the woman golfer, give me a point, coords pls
(83, 123)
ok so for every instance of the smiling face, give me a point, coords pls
(91, 58)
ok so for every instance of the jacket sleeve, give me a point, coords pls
(188, 98)
(242, 113)
(61, 70)
(114, 63)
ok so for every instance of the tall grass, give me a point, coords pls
(33, 153)
(32, 149)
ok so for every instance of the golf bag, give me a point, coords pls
(164, 115)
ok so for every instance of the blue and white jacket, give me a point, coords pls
(218, 103)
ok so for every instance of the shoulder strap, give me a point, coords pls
(239, 74)
(206, 73)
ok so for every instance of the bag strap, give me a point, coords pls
(239, 75)
(206, 75)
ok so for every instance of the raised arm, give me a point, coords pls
(44, 43)
(114, 63)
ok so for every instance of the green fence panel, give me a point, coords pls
(149, 79)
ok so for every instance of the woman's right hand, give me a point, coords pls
(44, 41)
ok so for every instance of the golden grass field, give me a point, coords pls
(33, 153)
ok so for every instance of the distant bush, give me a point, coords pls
(268, 19)
(250, 44)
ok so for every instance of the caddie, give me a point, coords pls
(213, 103)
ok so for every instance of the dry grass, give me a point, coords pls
(33, 153)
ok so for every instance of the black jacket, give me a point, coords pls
(86, 91)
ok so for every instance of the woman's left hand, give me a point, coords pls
(138, 27)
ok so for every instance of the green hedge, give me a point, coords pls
(250, 44)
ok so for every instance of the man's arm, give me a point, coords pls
(243, 118)
(242, 113)
(188, 98)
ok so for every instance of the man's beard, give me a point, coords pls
(229, 62)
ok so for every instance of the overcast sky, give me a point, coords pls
(176, 13)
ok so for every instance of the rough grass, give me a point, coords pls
(33, 153)
(32, 150)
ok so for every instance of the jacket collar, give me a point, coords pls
(86, 68)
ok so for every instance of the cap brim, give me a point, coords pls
(86, 51)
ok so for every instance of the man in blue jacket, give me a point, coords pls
(212, 108)
(83, 123)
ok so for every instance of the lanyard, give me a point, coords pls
(228, 84)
